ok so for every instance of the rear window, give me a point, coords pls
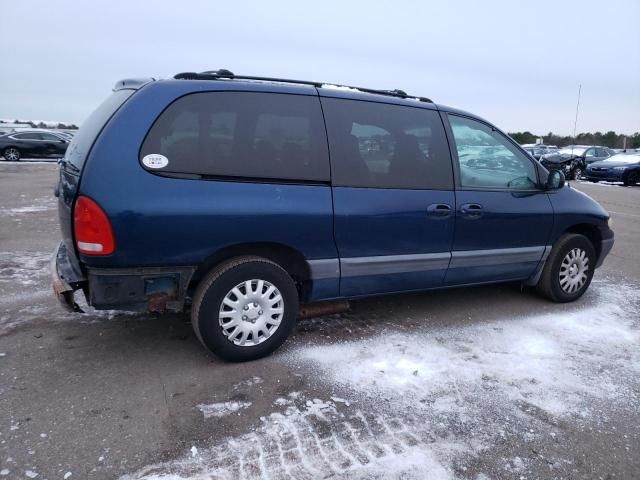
(83, 140)
(241, 134)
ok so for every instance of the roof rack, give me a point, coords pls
(226, 74)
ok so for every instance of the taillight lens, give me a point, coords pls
(92, 228)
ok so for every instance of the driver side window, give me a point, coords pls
(489, 160)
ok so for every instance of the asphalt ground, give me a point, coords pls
(485, 382)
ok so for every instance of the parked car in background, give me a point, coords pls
(33, 144)
(536, 152)
(618, 168)
(573, 159)
(541, 146)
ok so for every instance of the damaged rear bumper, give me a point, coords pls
(66, 277)
(144, 289)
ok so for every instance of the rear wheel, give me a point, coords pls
(632, 178)
(11, 154)
(245, 308)
(569, 269)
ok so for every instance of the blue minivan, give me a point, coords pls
(241, 198)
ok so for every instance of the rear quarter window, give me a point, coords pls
(379, 145)
(82, 141)
(242, 135)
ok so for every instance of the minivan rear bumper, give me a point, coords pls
(144, 289)
(66, 277)
(134, 289)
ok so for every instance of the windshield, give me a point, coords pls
(572, 150)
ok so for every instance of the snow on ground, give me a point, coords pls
(312, 439)
(31, 161)
(423, 403)
(551, 361)
(221, 409)
(27, 295)
(23, 268)
(601, 183)
(35, 205)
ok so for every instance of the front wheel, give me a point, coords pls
(577, 173)
(569, 269)
(245, 308)
(11, 154)
(632, 178)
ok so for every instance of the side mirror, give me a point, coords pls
(555, 180)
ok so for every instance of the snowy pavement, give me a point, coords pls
(438, 399)
(477, 383)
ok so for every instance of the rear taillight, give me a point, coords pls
(92, 228)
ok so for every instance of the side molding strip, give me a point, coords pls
(389, 264)
(501, 256)
(324, 268)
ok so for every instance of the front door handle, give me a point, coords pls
(471, 210)
(440, 210)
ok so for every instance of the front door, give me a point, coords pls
(503, 216)
(392, 194)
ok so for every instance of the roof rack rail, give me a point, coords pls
(227, 74)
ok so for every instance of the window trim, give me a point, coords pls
(234, 178)
(240, 179)
(15, 137)
(456, 162)
(427, 107)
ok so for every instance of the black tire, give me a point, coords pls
(549, 284)
(632, 178)
(12, 152)
(218, 283)
(577, 173)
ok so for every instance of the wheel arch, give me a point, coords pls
(289, 258)
(629, 172)
(592, 232)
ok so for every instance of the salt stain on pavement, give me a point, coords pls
(24, 268)
(426, 403)
(36, 205)
(222, 409)
(551, 361)
(27, 295)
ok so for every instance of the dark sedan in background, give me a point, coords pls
(619, 168)
(32, 144)
(572, 160)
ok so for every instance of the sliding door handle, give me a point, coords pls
(471, 210)
(440, 210)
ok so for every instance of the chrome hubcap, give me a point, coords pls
(251, 312)
(12, 154)
(573, 270)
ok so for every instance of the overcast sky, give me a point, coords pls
(516, 63)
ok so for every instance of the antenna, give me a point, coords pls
(575, 123)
